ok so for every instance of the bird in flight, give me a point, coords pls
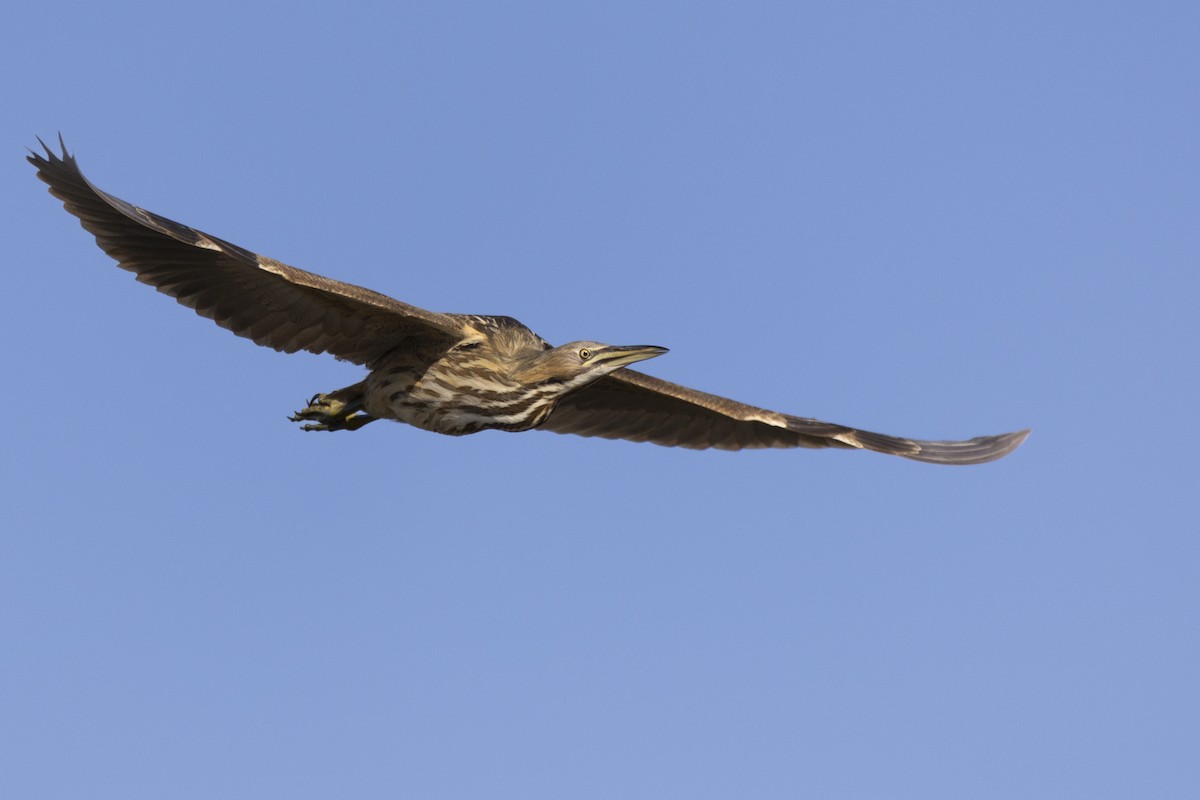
(450, 373)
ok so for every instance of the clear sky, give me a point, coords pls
(927, 219)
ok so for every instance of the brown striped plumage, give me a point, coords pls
(450, 373)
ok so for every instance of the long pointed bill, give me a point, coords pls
(620, 356)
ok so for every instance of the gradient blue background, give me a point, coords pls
(933, 220)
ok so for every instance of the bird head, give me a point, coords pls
(579, 363)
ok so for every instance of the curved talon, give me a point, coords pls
(337, 411)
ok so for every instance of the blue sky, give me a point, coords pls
(929, 219)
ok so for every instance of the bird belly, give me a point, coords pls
(434, 401)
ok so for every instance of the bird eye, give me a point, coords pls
(584, 354)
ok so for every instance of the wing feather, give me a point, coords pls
(631, 405)
(261, 299)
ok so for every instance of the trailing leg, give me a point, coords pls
(337, 411)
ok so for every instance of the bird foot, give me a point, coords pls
(328, 412)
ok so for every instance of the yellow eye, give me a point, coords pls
(584, 354)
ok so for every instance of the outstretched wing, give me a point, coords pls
(256, 297)
(630, 405)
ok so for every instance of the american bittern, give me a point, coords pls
(449, 373)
